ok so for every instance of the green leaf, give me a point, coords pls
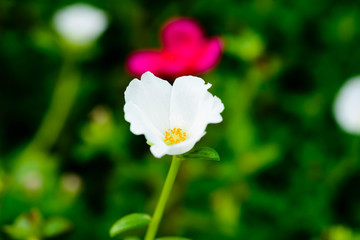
(203, 153)
(56, 226)
(172, 238)
(129, 222)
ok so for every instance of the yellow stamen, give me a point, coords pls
(174, 136)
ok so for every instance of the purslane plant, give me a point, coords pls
(173, 118)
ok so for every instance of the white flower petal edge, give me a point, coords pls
(153, 106)
(147, 106)
(347, 106)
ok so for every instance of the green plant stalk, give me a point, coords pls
(62, 100)
(159, 210)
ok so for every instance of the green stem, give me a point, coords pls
(159, 210)
(62, 100)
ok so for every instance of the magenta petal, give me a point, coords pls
(142, 61)
(174, 63)
(209, 55)
(181, 32)
(185, 51)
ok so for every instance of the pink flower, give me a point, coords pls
(185, 51)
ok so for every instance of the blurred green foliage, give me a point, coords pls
(287, 171)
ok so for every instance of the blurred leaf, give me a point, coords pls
(131, 221)
(226, 210)
(259, 158)
(56, 226)
(172, 238)
(17, 232)
(31, 225)
(100, 134)
(203, 153)
(248, 46)
(25, 226)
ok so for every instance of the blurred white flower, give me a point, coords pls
(172, 118)
(33, 181)
(347, 106)
(80, 24)
(71, 182)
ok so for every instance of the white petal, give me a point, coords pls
(187, 94)
(160, 149)
(184, 146)
(347, 106)
(147, 106)
(140, 123)
(192, 106)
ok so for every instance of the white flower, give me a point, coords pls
(80, 24)
(172, 117)
(347, 106)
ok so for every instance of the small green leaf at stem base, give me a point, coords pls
(129, 222)
(202, 153)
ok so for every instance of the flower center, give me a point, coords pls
(174, 136)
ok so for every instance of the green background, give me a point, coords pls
(287, 170)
